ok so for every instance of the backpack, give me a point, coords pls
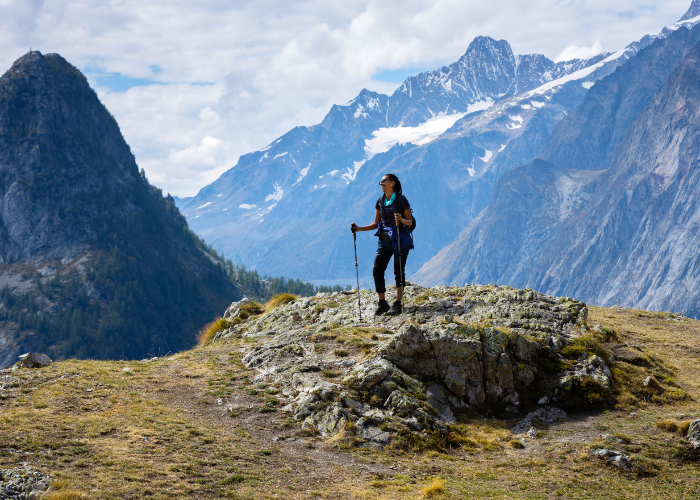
(404, 202)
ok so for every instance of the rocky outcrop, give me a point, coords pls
(23, 483)
(457, 351)
(34, 360)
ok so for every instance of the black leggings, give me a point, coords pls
(385, 251)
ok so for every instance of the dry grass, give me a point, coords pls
(63, 495)
(279, 300)
(516, 443)
(207, 334)
(435, 489)
(671, 425)
(252, 308)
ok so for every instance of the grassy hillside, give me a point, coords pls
(157, 430)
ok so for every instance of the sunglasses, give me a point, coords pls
(383, 181)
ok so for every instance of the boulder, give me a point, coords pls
(34, 360)
(615, 458)
(234, 310)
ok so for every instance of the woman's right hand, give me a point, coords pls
(354, 227)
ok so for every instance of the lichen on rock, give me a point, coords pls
(455, 352)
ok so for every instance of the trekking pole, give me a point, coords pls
(357, 271)
(398, 237)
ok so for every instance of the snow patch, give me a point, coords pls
(262, 157)
(479, 106)
(471, 172)
(526, 106)
(302, 174)
(281, 154)
(266, 148)
(587, 85)
(503, 146)
(516, 118)
(386, 138)
(537, 104)
(350, 175)
(277, 195)
(487, 156)
(219, 195)
(333, 172)
(685, 23)
(205, 205)
(359, 112)
(245, 206)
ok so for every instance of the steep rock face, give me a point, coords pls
(528, 207)
(51, 124)
(587, 138)
(645, 211)
(693, 11)
(531, 203)
(629, 241)
(94, 261)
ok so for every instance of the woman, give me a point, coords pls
(392, 209)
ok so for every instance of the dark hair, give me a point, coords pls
(397, 183)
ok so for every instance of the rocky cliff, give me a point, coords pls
(95, 261)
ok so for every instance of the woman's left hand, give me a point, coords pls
(397, 217)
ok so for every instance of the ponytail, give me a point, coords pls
(397, 183)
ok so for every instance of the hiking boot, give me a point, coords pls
(395, 309)
(382, 307)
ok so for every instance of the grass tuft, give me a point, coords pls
(671, 425)
(433, 490)
(252, 308)
(279, 300)
(517, 444)
(207, 334)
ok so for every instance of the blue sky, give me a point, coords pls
(194, 85)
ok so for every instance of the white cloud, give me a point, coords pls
(575, 52)
(245, 72)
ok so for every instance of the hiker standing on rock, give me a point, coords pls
(392, 220)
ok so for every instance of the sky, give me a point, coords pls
(194, 85)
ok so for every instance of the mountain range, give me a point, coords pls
(449, 134)
(608, 211)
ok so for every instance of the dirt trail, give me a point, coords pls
(314, 464)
